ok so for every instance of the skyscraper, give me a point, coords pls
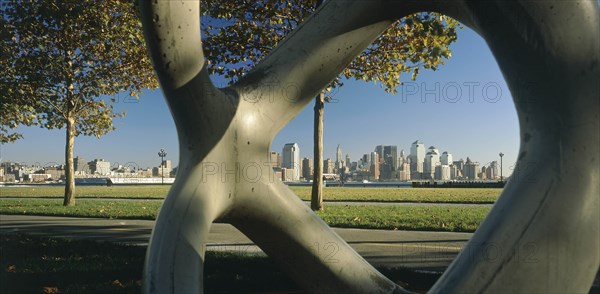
(442, 172)
(401, 158)
(417, 157)
(348, 162)
(471, 169)
(339, 161)
(307, 168)
(291, 159)
(366, 161)
(458, 170)
(492, 171)
(275, 159)
(432, 158)
(328, 166)
(390, 156)
(379, 151)
(446, 158)
(374, 169)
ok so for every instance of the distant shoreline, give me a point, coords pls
(169, 181)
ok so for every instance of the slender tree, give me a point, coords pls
(59, 58)
(251, 29)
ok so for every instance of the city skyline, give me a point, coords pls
(289, 158)
(464, 107)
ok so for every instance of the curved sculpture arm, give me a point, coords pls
(314, 255)
(311, 57)
(172, 32)
(543, 233)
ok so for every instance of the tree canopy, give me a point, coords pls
(60, 57)
(249, 30)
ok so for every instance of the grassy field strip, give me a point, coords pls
(141, 191)
(422, 218)
(426, 195)
(420, 195)
(418, 246)
(134, 209)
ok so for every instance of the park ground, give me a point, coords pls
(43, 264)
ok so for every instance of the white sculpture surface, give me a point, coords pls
(542, 235)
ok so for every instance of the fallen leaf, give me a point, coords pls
(50, 290)
(117, 283)
(11, 268)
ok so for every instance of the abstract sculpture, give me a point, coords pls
(545, 231)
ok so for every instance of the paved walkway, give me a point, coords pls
(418, 250)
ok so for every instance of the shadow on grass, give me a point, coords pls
(51, 265)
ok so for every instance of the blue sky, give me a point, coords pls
(464, 108)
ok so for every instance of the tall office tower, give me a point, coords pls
(390, 156)
(275, 159)
(471, 169)
(446, 158)
(404, 170)
(348, 162)
(432, 158)
(366, 161)
(401, 158)
(307, 168)
(483, 174)
(460, 166)
(379, 151)
(442, 172)
(493, 170)
(435, 152)
(339, 162)
(291, 159)
(374, 169)
(328, 166)
(455, 173)
(417, 157)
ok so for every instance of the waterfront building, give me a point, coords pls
(417, 158)
(374, 169)
(471, 169)
(328, 166)
(100, 167)
(275, 159)
(291, 159)
(446, 158)
(307, 168)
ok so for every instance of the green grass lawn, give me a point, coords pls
(418, 218)
(124, 209)
(457, 219)
(423, 195)
(140, 191)
(50, 265)
(430, 218)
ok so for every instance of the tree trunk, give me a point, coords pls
(69, 199)
(316, 200)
